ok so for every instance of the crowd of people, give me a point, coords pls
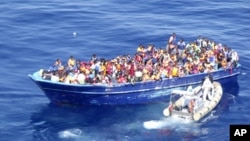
(147, 64)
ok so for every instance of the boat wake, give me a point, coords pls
(210, 116)
(70, 134)
(165, 123)
(176, 125)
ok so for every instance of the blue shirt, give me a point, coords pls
(181, 45)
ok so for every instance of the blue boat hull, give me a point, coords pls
(137, 93)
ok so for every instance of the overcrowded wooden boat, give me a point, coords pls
(148, 76)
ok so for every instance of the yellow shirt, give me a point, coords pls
(118, 67)
(146, 77)
(140, 49)
(175, 71)
(103, 69)
(153, 77)
(71, 62)
(145, 71)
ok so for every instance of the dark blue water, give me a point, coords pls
(35, 33)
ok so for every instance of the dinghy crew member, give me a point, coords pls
(207, 86)
(191, 105)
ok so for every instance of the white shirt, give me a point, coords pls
(138, 74)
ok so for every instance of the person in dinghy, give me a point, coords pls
(207, 88)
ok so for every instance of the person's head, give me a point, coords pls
(58, 61)
(174, 34)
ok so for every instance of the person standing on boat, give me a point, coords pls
(181, 46)
(93, 58)
(71, 64)
(171, 45)
(207, 87)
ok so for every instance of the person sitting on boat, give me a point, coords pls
(174, 71)
(207, 88)
(138, 75)
(61, 74)
(150, 49)
(68, 78)
(181, 72)
(212, 60)
(90, 78)
(56, 65)
(74, 79)
(81, 78)
(121, 79)
(55, 77)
